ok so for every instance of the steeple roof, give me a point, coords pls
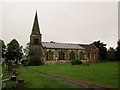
(35, 29)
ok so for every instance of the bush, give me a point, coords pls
(34, 61)
(76, 62)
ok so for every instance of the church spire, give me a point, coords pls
(36, 29)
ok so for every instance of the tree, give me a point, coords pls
(117, 53)
(14, 51)
(33, 59)
(3, 48)
(26, 50)
(102, 50)
(111, 54)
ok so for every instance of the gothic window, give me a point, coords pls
(82, 55)
(72, 55)
(61, 55)
(49, 55)
(36, 41)
(88, 55)
(93, 55)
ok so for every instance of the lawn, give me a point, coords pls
(105, 74)
(37, 80)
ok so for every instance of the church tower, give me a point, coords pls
(36, 38)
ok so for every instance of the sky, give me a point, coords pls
(65, 22)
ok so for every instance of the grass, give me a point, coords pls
(105, 74)
(101, 73)
(6, 74)
(37, 80)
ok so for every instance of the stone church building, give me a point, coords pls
(52, 52)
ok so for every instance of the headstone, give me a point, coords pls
(14, 72)
(9, 66)
(20, 83)
(13, 78)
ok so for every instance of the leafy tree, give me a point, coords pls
(14, 50)
(102, 50)
(26, 50)
(111, 54)
(3, 48)
(33, 59)
(117, 53)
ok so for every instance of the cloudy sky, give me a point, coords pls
(72, 22)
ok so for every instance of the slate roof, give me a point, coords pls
(87, 46)
(61, 45)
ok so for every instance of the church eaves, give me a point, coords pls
(35, 29)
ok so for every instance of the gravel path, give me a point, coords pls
(82, 84)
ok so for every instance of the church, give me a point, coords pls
(55, 53)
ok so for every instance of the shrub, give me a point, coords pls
(34, 61)
(76, 62)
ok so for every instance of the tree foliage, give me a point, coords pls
(117, 53)
(14, 50)
(111, 54)
(26, 50)
(102, 50)
(33, 58)
(3, 50)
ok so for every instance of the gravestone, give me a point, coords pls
(9, 66)
(14, 74)
(13, 78)
(20, 83)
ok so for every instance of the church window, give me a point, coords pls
(61, 55)
(92, 55)
(72, 55)
(88, 55)
(36, 41)
(82, 55)
(49, 55)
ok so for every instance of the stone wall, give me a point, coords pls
(94, 56)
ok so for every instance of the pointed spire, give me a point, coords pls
(35, 29)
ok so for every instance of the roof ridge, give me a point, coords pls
(62, 43)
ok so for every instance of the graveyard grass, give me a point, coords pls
(105, 74)
(37, 80)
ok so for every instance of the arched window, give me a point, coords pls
(82, 55)
(61, 55)
(88, 55)
(93, 55)
(36, 41)
(49, 55)
(72, 55)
